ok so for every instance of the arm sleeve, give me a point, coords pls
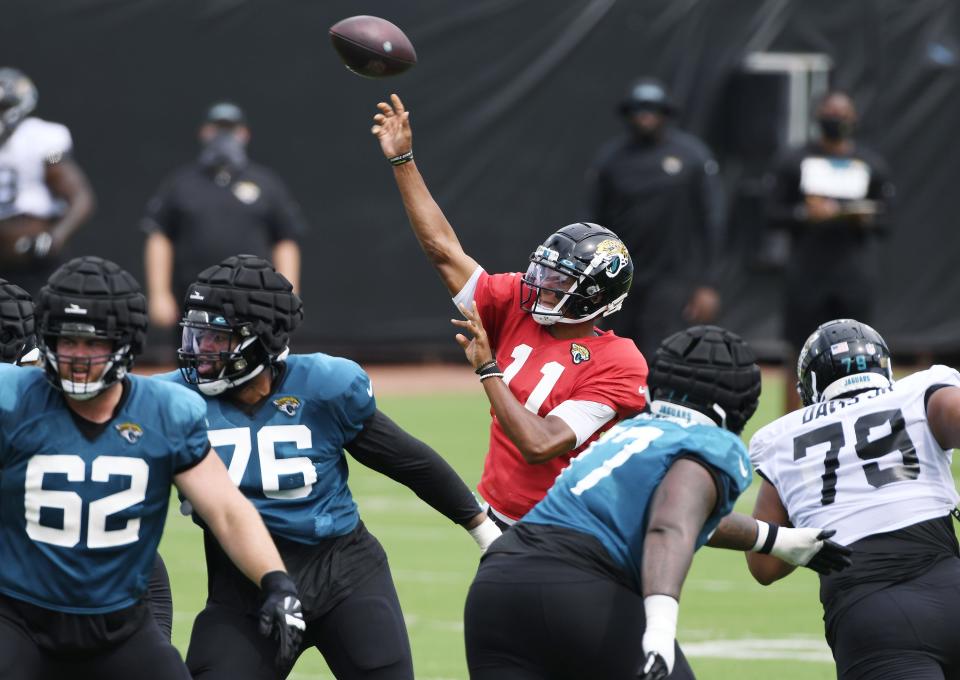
(286, 220)
(383, 446)
(583, 417)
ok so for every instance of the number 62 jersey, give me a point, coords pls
(863, 465)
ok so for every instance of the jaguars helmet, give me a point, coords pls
(18, 343)
(18, 98)
(581, 271)
(237, 322)
(89, 297)
(840, 358)
(705, 372)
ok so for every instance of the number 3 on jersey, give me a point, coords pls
(551, 374)
(278, 476)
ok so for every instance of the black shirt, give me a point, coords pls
(210, 216)
(665, 201)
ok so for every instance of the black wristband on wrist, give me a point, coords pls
(402, 158)
(489, 367)
(277, 581)
(771, 539)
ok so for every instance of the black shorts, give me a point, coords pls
(353, 616)
(539, 618)
(41, 644)
(906, 631)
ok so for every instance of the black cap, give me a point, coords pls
(647, 94)
(225, 113)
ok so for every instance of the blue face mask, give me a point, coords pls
(225, 151)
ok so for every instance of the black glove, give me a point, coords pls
(281, 616)
(654, 668)
(831, 557)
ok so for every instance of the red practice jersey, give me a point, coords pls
(542, 373)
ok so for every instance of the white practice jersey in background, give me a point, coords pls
(23, 161)
(863, 465)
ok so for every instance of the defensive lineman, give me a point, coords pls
(87, 456)
(281, 422)
(871, 457)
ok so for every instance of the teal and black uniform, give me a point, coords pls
(574, 562)
(82, 510)
(286, 454)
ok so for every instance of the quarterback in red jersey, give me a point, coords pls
(563, 381)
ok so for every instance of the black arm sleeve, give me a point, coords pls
(383, 446)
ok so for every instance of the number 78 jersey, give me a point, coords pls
(545, 373)
(863, 465)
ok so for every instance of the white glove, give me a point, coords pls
(802, 547)
(485, 533)
(660, 634)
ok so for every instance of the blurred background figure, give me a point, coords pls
(44, 195)
(219, 205)
(658, 189)
(832, 197)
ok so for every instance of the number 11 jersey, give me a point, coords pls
(863, 465)
(544, 373)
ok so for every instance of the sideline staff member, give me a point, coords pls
(217, 206)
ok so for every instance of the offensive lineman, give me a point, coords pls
(871, 457)
(557, 382)
(281, 422)
(597, 566)
(44, 195)
(87, 456)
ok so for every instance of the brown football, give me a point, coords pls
(372, 47)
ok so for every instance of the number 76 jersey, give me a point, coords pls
(863, 465)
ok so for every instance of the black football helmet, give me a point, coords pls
(840, 358)
(580, 272)
(18, 342)
(708, 370)
(89, 297)
(18, 98)
(237, 321)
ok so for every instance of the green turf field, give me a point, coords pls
(730, 627)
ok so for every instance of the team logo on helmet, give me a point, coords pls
(579, 353)
(130, 431)
(614, 254)
(287, 405)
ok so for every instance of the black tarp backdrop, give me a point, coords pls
(510, 101)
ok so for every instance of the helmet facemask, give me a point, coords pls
(82, 376)
(217, 356)
(555, 290)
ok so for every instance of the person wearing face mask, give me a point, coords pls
(220, 204)
(658, 188)
(833, 198)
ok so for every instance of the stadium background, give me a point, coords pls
(510, 101)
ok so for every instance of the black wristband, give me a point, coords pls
(489, 367)
(277, 582)
(402, 158)
(771, 539)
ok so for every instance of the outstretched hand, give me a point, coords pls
(477, 348)
(811, 548)
(392, 128)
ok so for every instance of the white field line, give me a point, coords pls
(750, 649)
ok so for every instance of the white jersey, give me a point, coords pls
(863, 465)
(23, 162)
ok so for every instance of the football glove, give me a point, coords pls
(803, 547)
(281, 616)
(659, 636)
(654, 668)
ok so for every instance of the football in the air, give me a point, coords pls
(372, 47)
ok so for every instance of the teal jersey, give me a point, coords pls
(607, 489)
(80, 519)
(287, 456)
